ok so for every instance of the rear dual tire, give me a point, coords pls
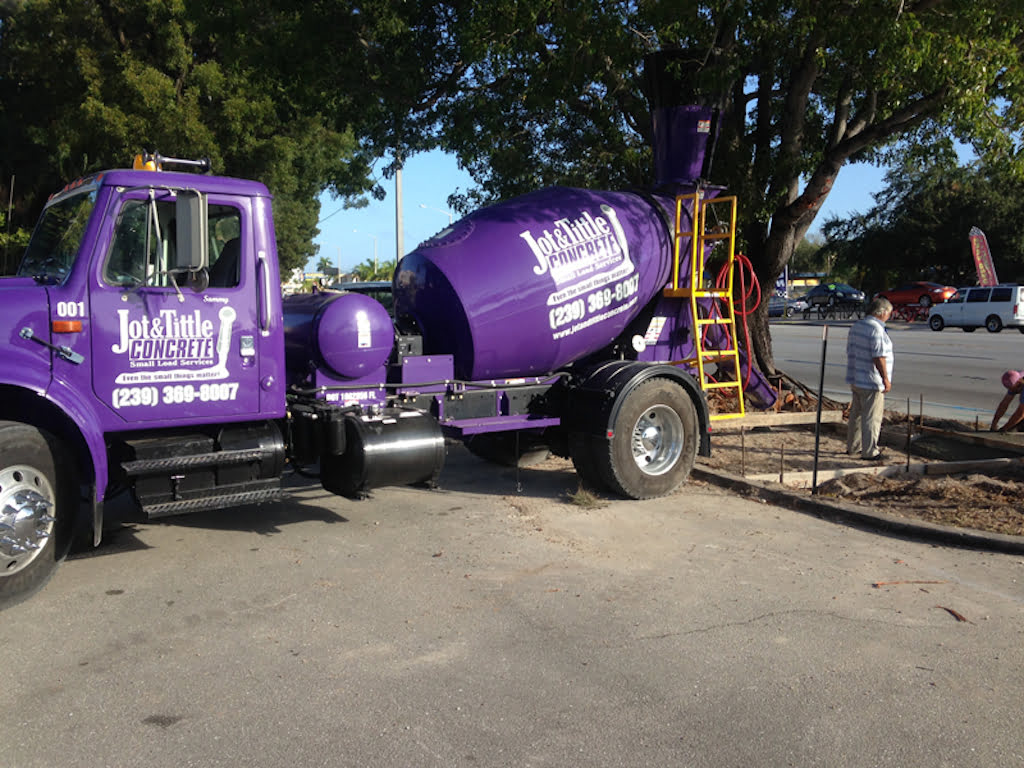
(653, 445)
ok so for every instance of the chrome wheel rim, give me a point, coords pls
(657, 440)
(26, 523)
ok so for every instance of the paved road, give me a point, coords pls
(956, 373)
(475, 626)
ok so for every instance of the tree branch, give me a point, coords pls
(791, 129)
(116, 31)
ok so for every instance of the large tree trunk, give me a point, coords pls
(771, 249)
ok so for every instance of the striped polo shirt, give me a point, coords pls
(867, 340)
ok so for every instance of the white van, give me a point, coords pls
(996, 307)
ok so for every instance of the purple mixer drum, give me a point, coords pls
(534, 283)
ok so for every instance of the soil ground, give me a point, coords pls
(987, 498)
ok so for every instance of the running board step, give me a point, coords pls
(214, 459)
(231, 498)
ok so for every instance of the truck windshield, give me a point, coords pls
(55, 242)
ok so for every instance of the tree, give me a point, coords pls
(374, 270)
(12, 245)
(277, 90)
(808, 256)
(554, 94)
(925, 214)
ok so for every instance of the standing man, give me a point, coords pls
(869, 373)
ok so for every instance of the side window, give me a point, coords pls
(1001, 293)
(956, 298)
(143, 244)
(225, 246)
(977, 295)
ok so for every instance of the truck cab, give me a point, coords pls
(143, 335)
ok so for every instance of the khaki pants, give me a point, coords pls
(866, 410)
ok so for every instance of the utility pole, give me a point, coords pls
(400, 245)
(376, 267)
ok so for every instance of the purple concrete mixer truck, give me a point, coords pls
(147, 348)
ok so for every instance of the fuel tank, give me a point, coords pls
(348, 333)
(534, 283)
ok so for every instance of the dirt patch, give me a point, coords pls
(985, 497)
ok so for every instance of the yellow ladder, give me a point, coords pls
(696, 290)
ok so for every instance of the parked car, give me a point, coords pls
(919, 292)
(995, 308)
(780, 306)
(833, 294)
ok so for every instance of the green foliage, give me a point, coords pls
(918, 228)
(85, 86)
(12, 246)
(370, 270)
(553, 93)
(309, 96)
(808, 256)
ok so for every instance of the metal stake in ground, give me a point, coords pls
(817, 418)
(910, 432)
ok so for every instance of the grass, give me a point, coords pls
(585, 499)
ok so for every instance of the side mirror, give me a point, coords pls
(192, 243)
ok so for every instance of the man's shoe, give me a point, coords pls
(880, 456)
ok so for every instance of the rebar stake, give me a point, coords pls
(910, 429)
(743, 451)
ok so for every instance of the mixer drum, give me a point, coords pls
(526, 286)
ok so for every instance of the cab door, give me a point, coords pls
(168, 347)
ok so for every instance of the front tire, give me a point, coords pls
(654, 442)
(925, 301)
(36, 499)
(936, 323)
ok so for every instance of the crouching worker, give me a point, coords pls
(1014, 383)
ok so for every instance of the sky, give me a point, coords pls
(349, 236)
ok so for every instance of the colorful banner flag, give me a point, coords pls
(982, 258)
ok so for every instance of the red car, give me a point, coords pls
(919, 292)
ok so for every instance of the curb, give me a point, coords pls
(862, 517)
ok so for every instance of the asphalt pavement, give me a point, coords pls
(951, 374)
(497, 621)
